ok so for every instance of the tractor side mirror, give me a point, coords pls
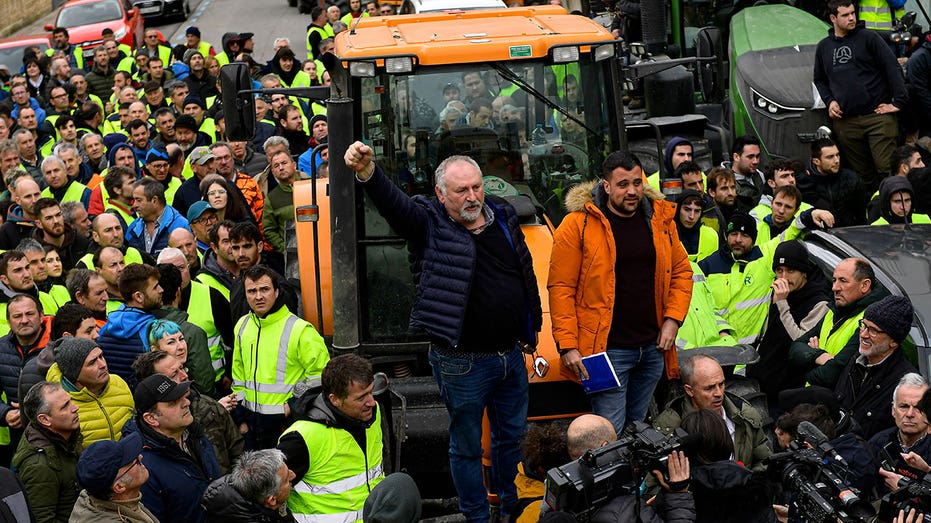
(909, 19)
(238, 107)
(709, 49)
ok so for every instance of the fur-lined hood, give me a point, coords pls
(594, 192)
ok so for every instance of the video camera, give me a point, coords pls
(584, 486)
(815, 475)
(911, 494)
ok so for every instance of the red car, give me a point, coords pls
(86, 19)
(11, 50)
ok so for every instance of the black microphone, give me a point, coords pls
(810, 434)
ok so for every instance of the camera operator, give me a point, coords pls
(725, 491)
(855, 451)
(910, 434)
(674, 505)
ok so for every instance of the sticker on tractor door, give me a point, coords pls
(520, 51)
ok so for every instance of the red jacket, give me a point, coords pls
(581, 277)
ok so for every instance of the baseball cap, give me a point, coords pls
(102, 460)
(158, 388)
(196, 209)
(201, 155)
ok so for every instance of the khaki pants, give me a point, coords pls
(866, 145)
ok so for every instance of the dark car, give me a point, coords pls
(901, 258)
(179, 9)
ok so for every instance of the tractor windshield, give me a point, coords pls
(534, 129)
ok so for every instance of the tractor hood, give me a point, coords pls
(782, 75)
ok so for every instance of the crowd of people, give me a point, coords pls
(154, 365)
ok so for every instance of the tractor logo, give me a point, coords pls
(842, 55)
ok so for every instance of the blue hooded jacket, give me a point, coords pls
(123, 338)
(40, 112)
(111, 154)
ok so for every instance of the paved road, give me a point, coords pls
(268, 19)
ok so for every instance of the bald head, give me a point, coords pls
(183, 240)
(589, 432)
(107, 231)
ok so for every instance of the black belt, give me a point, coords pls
(470, 355)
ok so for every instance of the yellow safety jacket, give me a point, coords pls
(877, 15)
(270, 355)
(340, 476)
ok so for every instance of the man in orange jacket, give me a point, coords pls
(615, 252)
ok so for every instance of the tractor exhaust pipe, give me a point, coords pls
(653, 25)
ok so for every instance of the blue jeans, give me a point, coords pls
(638, 370)
(468, 386)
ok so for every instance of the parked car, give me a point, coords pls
(86, 20)
(163, 9)
(901, 258)
(11, 50)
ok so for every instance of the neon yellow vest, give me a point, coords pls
(833, 342)
(210, 281)
(340, 477)
(702, 326)
(201, 314)
(916, 218)
(877, 15)
(265, 359)
(323, 36)
(73, 194)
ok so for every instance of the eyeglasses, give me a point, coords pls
(137, 461)
(217, 192)
(871, 331)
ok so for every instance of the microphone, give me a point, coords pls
(811, 434)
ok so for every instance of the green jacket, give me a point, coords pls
(751, 445)
(48, 467)
(279, 208)
(228, 443)
(199, 365)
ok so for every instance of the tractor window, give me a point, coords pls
(534, 129)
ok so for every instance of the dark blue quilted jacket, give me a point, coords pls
(443, 258)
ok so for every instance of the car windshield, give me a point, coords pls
(86, 14)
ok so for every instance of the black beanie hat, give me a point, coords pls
(892, 314)
(792, 254)
(744, 223)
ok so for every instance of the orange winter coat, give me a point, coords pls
(581, 277)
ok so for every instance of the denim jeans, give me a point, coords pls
(469, 385)
(638, 371)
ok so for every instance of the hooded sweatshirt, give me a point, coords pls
(122, 338)
(859, 72)
(670, 147)
(889, 187)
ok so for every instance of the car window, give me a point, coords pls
(85, 14)
(12, 57)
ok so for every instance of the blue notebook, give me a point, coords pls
(601, 375)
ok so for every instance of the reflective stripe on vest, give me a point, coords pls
(876, 14)
(342, 517)
(200, 313)
(268, 398)
(340, 476)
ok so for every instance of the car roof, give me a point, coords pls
(904, 255)
(25, 40)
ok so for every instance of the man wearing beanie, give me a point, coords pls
(199, 81)
(740, 273)
(194, 106)
(104, 401)
(824, 351)
(800, 301)
(868, 381)
(193, 41)
(188, 135)
(112, 474)
(176, 450)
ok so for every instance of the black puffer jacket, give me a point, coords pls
(864, 392)
(918, 83)
(840, 193)
(728, 492)
(13, 358)
(224, 504)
